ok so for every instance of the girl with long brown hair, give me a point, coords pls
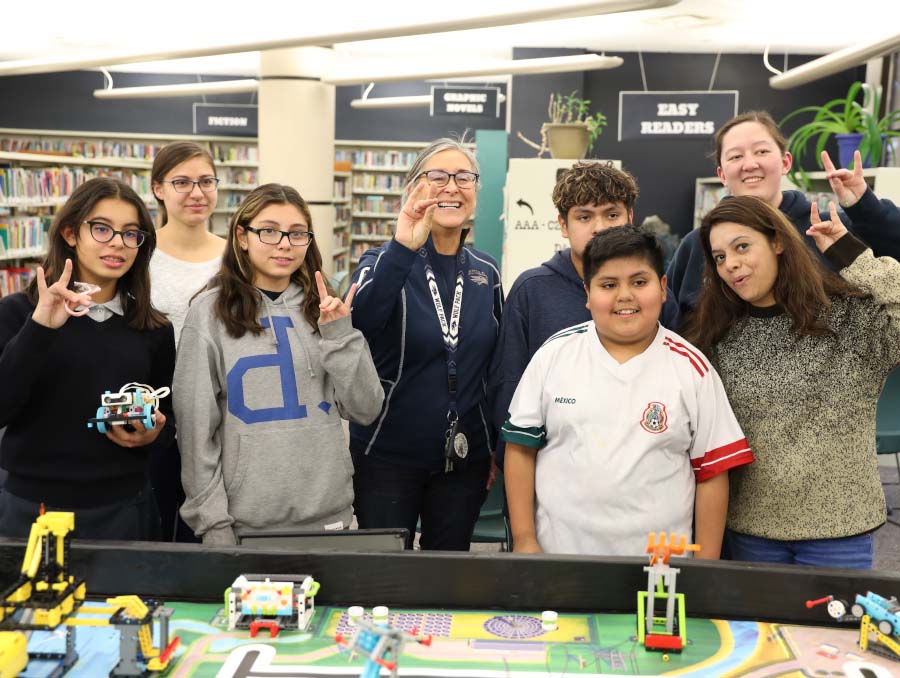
(61, 348)
(803, 353)
(268, 364)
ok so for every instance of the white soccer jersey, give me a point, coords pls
(621, 446)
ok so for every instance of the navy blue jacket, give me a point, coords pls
(541, 302)
(393, 308)
(875, 222)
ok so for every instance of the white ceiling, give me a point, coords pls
(51, 28)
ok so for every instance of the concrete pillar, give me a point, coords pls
(296, 133)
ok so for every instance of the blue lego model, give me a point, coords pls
(884, 611)
(133, 402)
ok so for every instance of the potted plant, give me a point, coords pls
(854, 125)
(571, 131)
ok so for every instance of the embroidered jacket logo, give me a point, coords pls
(655, 419)
(564, 401)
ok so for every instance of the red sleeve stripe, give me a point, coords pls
(721, 459)
(699, 356)
(700, 367)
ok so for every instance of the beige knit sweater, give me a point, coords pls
(807, 407)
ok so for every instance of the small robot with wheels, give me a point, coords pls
(133, 402)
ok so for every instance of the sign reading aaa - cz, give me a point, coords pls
(686, 115)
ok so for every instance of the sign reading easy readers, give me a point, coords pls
(479, 101)
(231, 120)
(674, 115)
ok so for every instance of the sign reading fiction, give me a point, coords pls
(232, 120)
(685, 115)
(478, 101)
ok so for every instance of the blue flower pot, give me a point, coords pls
(847, 145)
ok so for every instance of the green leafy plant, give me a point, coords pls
(569, 109)
(842, 116)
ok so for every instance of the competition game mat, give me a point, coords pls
(473, 644)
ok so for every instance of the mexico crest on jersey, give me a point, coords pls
(655, 419)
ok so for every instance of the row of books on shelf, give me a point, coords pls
(22, 236)
(98, 148)
(235, 153)
(342, 214)
(377, 182)
(14, 279)
(372, 227)
(399, 160)
(377, 204)
(341, 189)
(239, 176)
(22, 186)
(340, 239)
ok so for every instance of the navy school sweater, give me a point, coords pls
(541, 302)
(52, 381)
(394, 310)
(875, 222)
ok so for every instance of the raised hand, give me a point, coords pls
(51, 309)
(415, 219)
(825, 233)
(848, 185)
(331, 308)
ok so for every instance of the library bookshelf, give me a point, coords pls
(40, 168)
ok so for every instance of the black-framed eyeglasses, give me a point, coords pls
(442, 178)
(272, 236)
(103, 232)
(206, 184)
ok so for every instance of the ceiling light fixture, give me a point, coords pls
(549, 12)
(560, 64)
(415, 101)
(835, 62)
(179, 90)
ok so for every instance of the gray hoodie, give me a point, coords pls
(259, 419)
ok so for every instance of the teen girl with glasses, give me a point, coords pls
(61, 348)
(268, 364)
(184, 182)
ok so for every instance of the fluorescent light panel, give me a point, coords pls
(835, 62)
(561, 64)
(180, 90)
(419, 100)
(548, 12)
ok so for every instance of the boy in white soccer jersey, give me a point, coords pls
(619, 427)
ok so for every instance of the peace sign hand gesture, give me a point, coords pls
(825, 233)
(848, 186)
(55, 303)
(415, 220)
(331, 308)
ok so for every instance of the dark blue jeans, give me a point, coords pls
(390, 495)
(855, 553)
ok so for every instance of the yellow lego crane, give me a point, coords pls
(46, 595)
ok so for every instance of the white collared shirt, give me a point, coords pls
(102, 312)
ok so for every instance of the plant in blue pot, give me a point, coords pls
(854, 124)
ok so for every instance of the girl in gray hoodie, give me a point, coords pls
(267, 365)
